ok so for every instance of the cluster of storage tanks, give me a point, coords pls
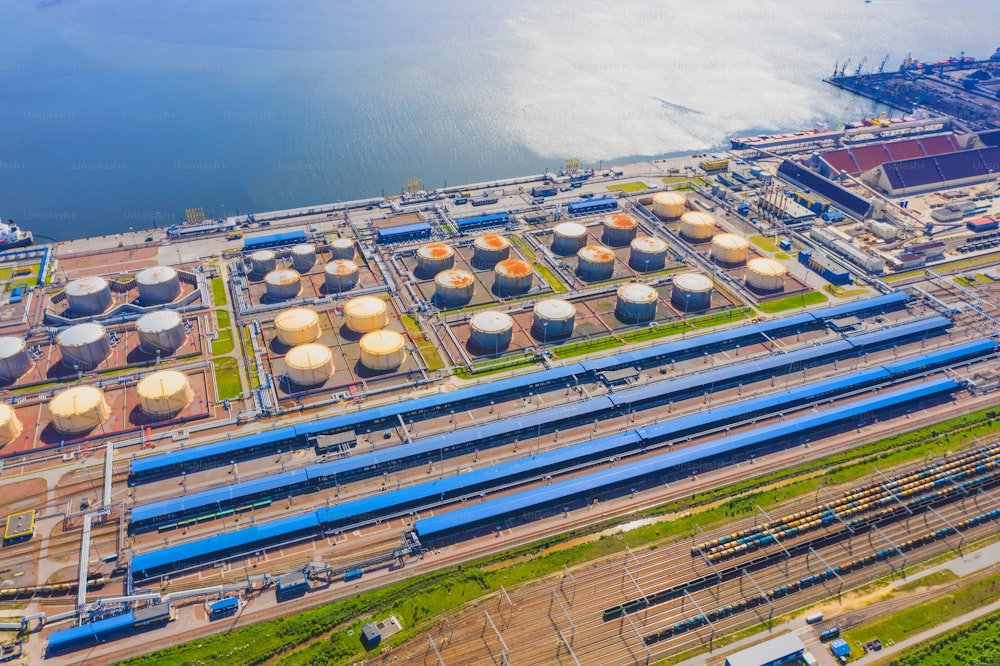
(90, 296)
(79, 409)
(492, 331)
(597, 262)
(456, 287)
(340, 274)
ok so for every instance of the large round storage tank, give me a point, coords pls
(382, 350)
(692, 292)
(88, 296)
(164, 394)
(619, 229)
(697, 226)
(730, 249)
(342, 248)
(512, 277)
(263, 261)
(303, 256)
(79, 409)
(283, 284)
(14, 359)
(84, 346)
(10, 425)
(310, 364)
(647, 254)
(491, 331)
(595, 262)
(161, 331)
(340, 275)
(158, 284)
(454, 287)
(766, 275)
(553, 319)
(490, 249)
(297, 326)
(365, 314)
(636, 303)
(668, 204)
(434, 258)
(568, 238)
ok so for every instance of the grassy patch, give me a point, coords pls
(792, 302)
(718, 318)
(781, 255)
(843, 292)
(219, 291)
(221, 319)
(764, 243)
(974, 643)
(930, 580)
(227, 378)
(519, 243)
(427, 349)
(634, 186)
(494, 366)
(917, 618)
(585, 347)
(223, 343)
(550, 278)
(422, 600)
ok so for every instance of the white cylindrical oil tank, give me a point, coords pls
(636, 303)
(88, 296)
(10, 426)
(434, 258)
(454, 287)
(766, 275)
(568, 238)
(697, 226)
(263, 261)
(490, 249)
(553, 319)
(303, 257)
(14, 359)
(342, 248)
(309, 364)
(692, 292)
(79, 409)
(492, 331)
(158, 284)
(619, 229)
(297, 326)
(161, 331)
(164, 394)
(340, 275)
(668, 204)
(512, 277)
(382, 350)
(647, 254)
(283, 284)
(595, 262)
(84, 346)
(365, 314)
(730, 249)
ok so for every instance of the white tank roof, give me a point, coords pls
(161, 320)
(637, 293)
(491, 321)
(86, 285)
(555, 309)
(454, 277)
(78, 400)
(342, 243)
(571, 229)
(304, 248)
(669, 198)
(11, 346)
(162, 384)
(156, 275)
(296, 319)
(596, 253)
(308, 356)
(341, 267)
(730, 241)
(81, 334)
(698, 218)
(491, 242)
(649, 244)
(365, 306)
(382, 342)
(765, 266)
(436, 251)
(263, 255)
(282, 276)
(693, 282)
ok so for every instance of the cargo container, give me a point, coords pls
(814, 618)
(829, 634)
(982, 224)
(353, 575)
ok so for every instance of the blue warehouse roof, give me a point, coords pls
(931, 325)
(555, 494)
(90, 634)
(877, 303)
(950, 355)
(216, 449)
(403, 231)
(266, 240)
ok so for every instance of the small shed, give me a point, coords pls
(370, 636)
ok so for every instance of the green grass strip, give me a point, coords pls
(974, 643)
(219, 291)
(223, 343)
(791, 302)
(227, 378)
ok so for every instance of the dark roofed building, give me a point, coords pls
(845, 200)
(927, 173)
(861, 158)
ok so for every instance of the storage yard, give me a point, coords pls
(245, 425)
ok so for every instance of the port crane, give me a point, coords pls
(843, 67)
(881, 67)
(861, 64)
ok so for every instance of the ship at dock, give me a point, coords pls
(11, 236)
